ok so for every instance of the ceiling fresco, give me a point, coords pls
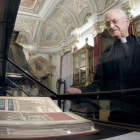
(58, 19)
(50, 35)
(31, 6)
(25, 26)
(27, 3)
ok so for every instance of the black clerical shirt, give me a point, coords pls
(128, 49)
(112, 72)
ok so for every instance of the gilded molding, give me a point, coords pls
(41, 66)
(130, 2)
(129, 5)
(98, 27)
(43, 52)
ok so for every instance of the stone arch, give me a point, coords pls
(86, 18)
(85, 14)
(93, 5)
(70, 12)
(69, 29)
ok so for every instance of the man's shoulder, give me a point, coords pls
(138, 38)
(107, 53)
(108, 48)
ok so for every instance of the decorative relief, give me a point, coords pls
(27, 3)
(38, 4)
(129, 6)
(61, 17)
(31, 26)
(23, 27)
(30, 53)
(50, 58)
(66, 21)
(27, 26)
(71, 29)
(56, 14)
(72, 5)
(41, 66)
(50, 36)
(33, 52)
(98, 27)
(29, 56)
(22, 39)
(80, 6)
(86, 18)
(108, 3)
(17, 24)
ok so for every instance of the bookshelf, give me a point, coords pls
(83, 65)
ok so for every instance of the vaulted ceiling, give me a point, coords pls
(45, 23)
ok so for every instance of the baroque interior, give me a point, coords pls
(54, 29)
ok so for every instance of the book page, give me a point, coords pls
(19, 118)
(24, 110)
(28, 104)
(22, 117)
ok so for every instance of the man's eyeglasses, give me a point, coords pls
(107, 24)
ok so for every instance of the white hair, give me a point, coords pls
(119, 10)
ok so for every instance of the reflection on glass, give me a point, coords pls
(83, 67)
(74, 67)
(20, 85)
(83, 75)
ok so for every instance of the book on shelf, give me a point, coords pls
(37, 117)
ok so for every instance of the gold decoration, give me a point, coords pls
(41, 66)
(50, 58)
(22, 39)
(29, 56)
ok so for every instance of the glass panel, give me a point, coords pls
(41, 69)
(17, 55)
(83, 59)
(16, 79)
(83, 75)
(109, 77)
(83, 67)
(76, 69)
(121, 111)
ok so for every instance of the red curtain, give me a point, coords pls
(97, 49)
(60, 76)
(130, 29)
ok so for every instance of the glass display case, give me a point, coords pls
(83, 65)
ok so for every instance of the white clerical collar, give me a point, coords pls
(123, 40)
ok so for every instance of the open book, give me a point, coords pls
(31, 117)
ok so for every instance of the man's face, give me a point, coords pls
(117, 24)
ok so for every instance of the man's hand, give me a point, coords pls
(73, 90)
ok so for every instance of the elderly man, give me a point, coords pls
(119, 65)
